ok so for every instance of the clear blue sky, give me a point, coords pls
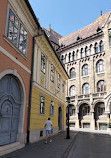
(68, 16)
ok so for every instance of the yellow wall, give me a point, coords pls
(38, 120)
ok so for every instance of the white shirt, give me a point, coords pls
(48, 125)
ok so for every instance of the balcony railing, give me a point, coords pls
(96, 95)
(87, 96)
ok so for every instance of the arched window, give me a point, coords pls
(69, 57)
(72, 73)
(77, 54)
(72, 91)
(85, 88)
(101, 46)
(86, 51)
(96, 48)
(100, 66)
(90, 49)
(82, 53)
(85, 70)
(62, 58)
(73, 56)
(101, 86)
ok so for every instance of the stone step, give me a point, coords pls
(10, 148)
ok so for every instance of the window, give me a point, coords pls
(62, 58)
(100, 66)
(63, 86)
(43, 62)
(51, 108)
(101, 86)
(86, 88)
(52, 73)
(42, 105)
(86, 51)
(85, 70)
(96, 48)
(58, 81)
(72, 91)
(16, 33)
(90, 49)
(109, 33)
(101, 46)
(72, 73)
(82, 53)
(69, 57)
(73, 56)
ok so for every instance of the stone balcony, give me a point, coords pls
(100, 95)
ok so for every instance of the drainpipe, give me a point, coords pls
(31, 83)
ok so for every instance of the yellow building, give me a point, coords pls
(48, 89)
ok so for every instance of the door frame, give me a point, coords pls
(20, 135)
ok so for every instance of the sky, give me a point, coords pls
(68, 16)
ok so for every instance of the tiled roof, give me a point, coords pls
(85, 32)
(53, 36)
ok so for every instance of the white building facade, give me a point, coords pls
(86, 55)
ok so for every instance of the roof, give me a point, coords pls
(86, 31)
(53, 36)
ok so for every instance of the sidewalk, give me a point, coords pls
(58, 148)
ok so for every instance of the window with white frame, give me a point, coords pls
(63, 84)
(42, 104)
(72, 90)
(101, 86)
(85, 70)
(52, 73)
(16, 32)
(100, 66)
(51, 108)
(58, 80)
(85, 88)
(43, 63)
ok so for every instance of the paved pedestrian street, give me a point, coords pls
(89, 145)
(58, 148)
(80, 145)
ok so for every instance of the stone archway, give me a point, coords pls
(83, 115)
(99, 116)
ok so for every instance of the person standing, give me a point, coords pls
(48, 126)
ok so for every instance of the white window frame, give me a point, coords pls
(52, 107)
(52, 73)
(43, 63)
(58, 80)
(16, 26)
(42, 104)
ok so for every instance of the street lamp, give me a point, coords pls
(68, 102)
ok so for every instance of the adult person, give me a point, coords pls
(48, 126)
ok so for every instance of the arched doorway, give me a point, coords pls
(99, 116)
(10, 103)
(84, 110)
(60, 118)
